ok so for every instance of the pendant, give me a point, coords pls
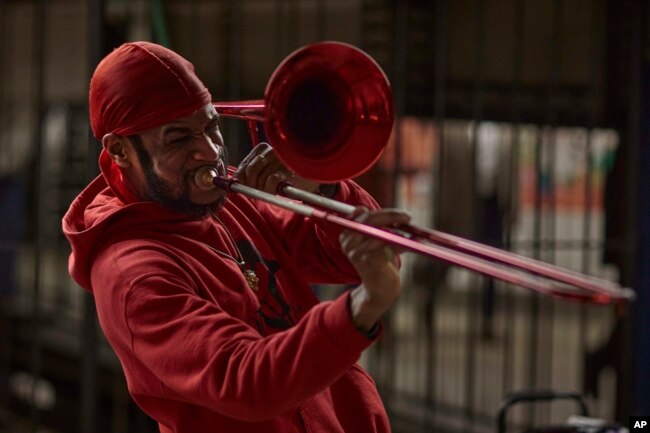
(251, 279)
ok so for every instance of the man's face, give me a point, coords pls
(169, 156)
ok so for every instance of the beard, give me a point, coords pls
(161, 192)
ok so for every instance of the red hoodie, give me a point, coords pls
(201, 350)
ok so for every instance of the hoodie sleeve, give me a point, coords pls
(317, 242)
(198, 353)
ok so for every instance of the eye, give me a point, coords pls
(180, 140)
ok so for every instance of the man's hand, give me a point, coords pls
(261, 169)
(377, 265)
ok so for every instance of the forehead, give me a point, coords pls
(196, 121)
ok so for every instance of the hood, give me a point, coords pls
(103, 211)
(84, 225)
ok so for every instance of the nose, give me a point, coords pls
(208, 149)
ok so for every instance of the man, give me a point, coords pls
(204, 296)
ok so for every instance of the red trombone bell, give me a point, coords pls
(327, 111)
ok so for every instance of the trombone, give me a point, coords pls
(328, 113)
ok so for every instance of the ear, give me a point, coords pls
(118, 149)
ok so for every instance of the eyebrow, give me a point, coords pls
(185, 129)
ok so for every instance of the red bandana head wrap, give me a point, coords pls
(139, 86)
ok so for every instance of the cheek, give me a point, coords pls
(171, 170)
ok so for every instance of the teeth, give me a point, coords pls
(203, 178)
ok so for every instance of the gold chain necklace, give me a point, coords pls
(249, 274)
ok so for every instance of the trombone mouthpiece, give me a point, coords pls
(204, 177)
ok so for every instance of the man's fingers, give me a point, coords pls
(384, 218)
(361, 248)
(257, 166)
(381, 218)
